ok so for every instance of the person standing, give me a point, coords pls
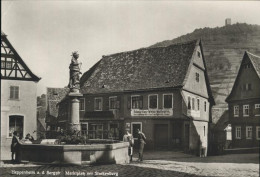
(128, 137)
(29, 137)
(141, 142)
(15, 146)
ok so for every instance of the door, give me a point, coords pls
(161, 136)
(177, 131)
(187, 136)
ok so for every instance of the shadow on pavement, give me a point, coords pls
(182, 157)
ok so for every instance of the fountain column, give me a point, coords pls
(74, 94)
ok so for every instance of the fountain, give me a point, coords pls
(95, 152)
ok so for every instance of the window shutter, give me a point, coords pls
(141, 102)
(129, 102)
(11, 92)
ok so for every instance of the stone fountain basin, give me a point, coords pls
(95, 153)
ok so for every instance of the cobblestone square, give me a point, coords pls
(156, 163)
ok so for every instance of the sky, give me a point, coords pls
(45, 33)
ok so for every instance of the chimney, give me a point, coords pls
(228, 21)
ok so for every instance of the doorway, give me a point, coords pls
(161, 136)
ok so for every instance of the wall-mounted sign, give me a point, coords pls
(156, 112)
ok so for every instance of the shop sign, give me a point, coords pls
(152, 112)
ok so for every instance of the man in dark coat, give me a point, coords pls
(15, 146)
(141, 142)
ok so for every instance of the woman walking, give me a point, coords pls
(141, 141)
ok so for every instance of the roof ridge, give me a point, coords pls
(151, 48)
(253, 54)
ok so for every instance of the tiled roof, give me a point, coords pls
(255, 62)
(222, 122)
(140, 69)
(54, 96)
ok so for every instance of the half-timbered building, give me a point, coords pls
(18, 97)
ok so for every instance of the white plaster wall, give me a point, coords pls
(26, 106)
(196, 131)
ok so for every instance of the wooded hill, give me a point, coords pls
(223, 49)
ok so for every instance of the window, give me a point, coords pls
(16, 124)
(2, 64)
(198, 104)
(258, 132)
(248, 132)
(98, 104)
(135, 127)
(257, 109)
(82, 104)
(247, 87)
(96, 131)
(193, 104)
(238, 132)
(9, 64)
(197, 77)
(198, 53)
(205, 106)
(167, 101)
(114, 131)
(84, 128)
(153, 101)
(248, 65)
(246, 110)
(14, 92)
(189, 105)
(137, 102)
(113, 103)
(236, 111)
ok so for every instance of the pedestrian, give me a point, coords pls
(141, 142)
(29, 137)
(128, 137)
(15, 146)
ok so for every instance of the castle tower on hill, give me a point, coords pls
(228, 21)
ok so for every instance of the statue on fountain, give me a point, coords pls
(74, 83)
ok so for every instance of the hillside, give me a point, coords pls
(223, 48)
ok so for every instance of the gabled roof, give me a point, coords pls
(148, 68)
(255, 61)
(14, 55)
(54, 96)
